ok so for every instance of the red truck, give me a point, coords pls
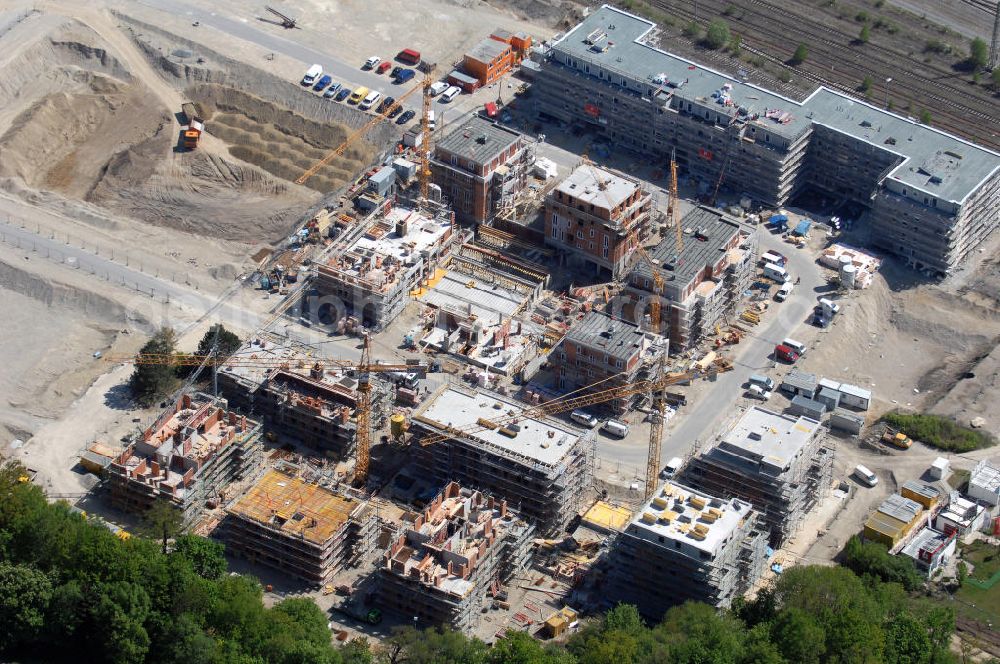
(784, 353)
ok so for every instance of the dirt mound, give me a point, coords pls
(278, 140)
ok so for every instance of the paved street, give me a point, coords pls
(346, 73)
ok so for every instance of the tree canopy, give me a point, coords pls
(151, 382)
(717, 34)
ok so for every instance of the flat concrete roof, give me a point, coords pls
(771, 439)
(933, 161)
(609, 192)
(986, 476)
(711, 232)
(900, 507)
(488, 302)
(540, 441)
(927, 539)
(478, 140)
(611, 336)
(676, 513)
(487, 50)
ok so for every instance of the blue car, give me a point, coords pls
(323, 82)
(404, 75)
(343, 94)
(332, 90)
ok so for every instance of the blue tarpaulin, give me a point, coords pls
(803, 227)
(779, 220)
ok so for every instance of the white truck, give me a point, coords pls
(312, 75)
(776, 272)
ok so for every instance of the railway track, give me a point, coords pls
(972, 117)
(985, 5)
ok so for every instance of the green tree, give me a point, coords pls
(865, 34)
(691, 30)
(162, 521)
(925, 117)
(800, 55)
(151, 382)
(25, 593)
(798, 637)
(866, 85)
(698, 633)
(205, 556)
(873, 558)
(229, 342)
(979, 53)
(434, 646)
(995, 79)
(906, 641)
(522, 648)
(761, 609)
(759, 649)
(940, 623)
(717, 34)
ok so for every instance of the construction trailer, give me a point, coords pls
(777, 462)
(685, 545)
(300, 527)
(301, 399)
(482, 167)
(893, 520)
(930, 550)
(457, 555)
(186, 458)
(374, 265)
(932, 196)
(607, 352)
(596, 217)
(542, 467)
(705, 275)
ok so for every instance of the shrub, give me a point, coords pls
(979, 53)
(800, 55)
(692, 30)
(861, 17)
(935, 430)
(717, 35)
(865, 34)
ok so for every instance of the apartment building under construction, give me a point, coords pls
(685, 545)
(373, 265)
(190, 454)
(776, 462)
(704, 276)
(933, 197)
(541, 466)
(299, 526)
(299, 398)
(458, 554)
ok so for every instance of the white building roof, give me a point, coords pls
(855, 391)
(544, 441)
(768, 438)
(697, 520)
(986, 477)
(609, 193)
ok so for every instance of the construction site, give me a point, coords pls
(458, 553)
(186, 459)
(778, 463)
(507, 365)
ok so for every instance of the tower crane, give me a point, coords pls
(424, 148)
(563, 404)
(672, 202)
(368, 126)
(364, 368)
(658, 285)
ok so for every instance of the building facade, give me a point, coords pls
(933, 197)
(597, 217)
(481, 166)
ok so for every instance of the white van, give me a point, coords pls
(797, 346)
(764, 382)
(450, 94)
(771, 257)
(829, 306)
(758, 392)
(672, 468)
(370, 100)
(866, 476)
(372, 62)
(615, 428)
(584, 418)
(776, 272)
(312, 75)
(784, 292)
(438, 88)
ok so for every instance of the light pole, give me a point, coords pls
(887, 82)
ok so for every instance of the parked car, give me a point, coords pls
(784, 291)
(450, 94)
(372, 62)
(765, 382)
(404, 75)
(758, 392)
(386, 103)
(312, 74)
(332, 90)
(383, 68)
(584, 418)
(343, 94)
(438, 88)
(323, 82)
(409, 56)
(370, 100)
(672, 468)
(615, 428)
(866, 476)
(785, 354)
(396, 111)
(405, 117)
(358, 95)
(395, 71)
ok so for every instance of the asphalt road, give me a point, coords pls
(349, 74)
